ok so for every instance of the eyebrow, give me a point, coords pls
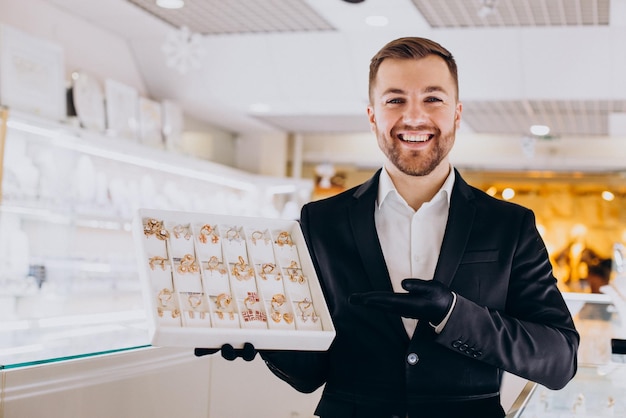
(429, 89)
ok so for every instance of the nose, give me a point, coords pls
(414, 114)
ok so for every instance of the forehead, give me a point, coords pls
(408, 74)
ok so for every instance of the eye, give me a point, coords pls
(433, 99)
(395, 101)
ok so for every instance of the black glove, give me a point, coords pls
(427, 299)
(248, 352)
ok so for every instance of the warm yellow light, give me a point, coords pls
(492, 191)
(508, 193)
(608, 196)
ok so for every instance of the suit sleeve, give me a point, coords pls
(533, 336)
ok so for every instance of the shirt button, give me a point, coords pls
(412, 359)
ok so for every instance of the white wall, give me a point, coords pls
(103, 55)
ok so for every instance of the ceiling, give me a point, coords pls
(300, 66)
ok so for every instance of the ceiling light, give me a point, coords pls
(170, 4)
(508, 193)
(540, 130)
(487, 8)
(608, 196)
(377, 21)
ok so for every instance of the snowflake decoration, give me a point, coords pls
(183, 50)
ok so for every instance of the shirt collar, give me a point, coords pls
(386, 186)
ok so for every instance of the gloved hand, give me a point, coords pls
(248, 352)
(427, 299)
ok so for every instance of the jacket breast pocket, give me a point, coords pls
(483, 256)
(480, 278)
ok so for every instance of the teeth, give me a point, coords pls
(415, 138)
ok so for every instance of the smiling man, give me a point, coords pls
(434, 287)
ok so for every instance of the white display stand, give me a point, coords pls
(210, 280)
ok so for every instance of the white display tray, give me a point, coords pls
(210, 280)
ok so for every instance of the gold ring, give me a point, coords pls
(179, 229)
(195, 300)
(155, 227)
(232, 234)
(223, 301)
(187, 265)
(208, 231)
(278, 300)
(156, 260)
(242, 271)
(284, 239)
(164, 297)
(252, 298)
(288, 317)
(256, 235)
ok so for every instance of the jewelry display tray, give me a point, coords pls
(209, 280)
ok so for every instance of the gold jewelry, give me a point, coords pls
(208, 231)
(164, 297)
(214, 264)
(252, 298)
(257, 235)
(233, 233)
(175, 313)
(295, 275)
(288, 317)
(156, 260)
(304, 306)
(284, 239)
(195, 300)
(179, 229)
(266, 269)
(242, 271)
(223, 301)
(249, 314)
(277, 301)
(187, 265)
(155, 227)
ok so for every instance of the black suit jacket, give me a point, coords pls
(509, 314)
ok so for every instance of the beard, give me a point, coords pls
(417, 162)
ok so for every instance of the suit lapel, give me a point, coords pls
(460, 219)
(366, 239)
(365, 235)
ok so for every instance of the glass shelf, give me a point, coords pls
(69, 285)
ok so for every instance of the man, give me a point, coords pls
(480, 297)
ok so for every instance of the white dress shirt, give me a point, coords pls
(411, 240)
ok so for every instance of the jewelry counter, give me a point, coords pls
(599, 387)
(69, 284)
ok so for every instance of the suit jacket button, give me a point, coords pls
(412, 359)
(464, 348)
(457, 343)
(476, 354)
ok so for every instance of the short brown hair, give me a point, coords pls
(412, 48)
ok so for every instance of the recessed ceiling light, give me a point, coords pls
(377, 20)
(608, 196)
(170, 4)
(540, 130)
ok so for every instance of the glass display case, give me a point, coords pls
(69, 283)
(599, 387)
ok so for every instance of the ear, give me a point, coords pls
(371, 117)
(457, 115)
